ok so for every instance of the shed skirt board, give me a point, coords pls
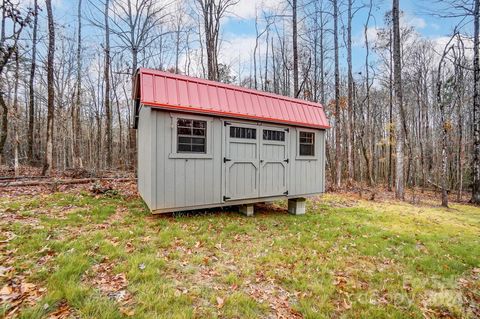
(254, 166)
(230, 203)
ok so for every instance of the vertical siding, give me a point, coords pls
(165, 182)
(145, 156)
(186, 181)
(307, 176)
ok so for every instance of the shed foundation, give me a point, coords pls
(247, 210)
(296, 206)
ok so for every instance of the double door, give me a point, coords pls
(255, 161)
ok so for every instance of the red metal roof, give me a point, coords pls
(182, 93)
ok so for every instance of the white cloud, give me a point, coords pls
(246, 9)
(372, 34)
(413, 21)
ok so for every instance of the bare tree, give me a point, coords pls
(443, 122)
(48, 160)
(76, 125)
(106, 78)
(212, 12)
(350, 93)
(338, 150)
(8, 46)
(476, 106)
(295, 47)
(31, 91)
(400, 117)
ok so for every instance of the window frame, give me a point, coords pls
(192, 136)
(315, 145)
(174, 153)
(277, 130)
(234, 125)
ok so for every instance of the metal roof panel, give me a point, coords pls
(178, 92)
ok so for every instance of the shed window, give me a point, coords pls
(307, 144)
(191, 136)
(271, 135)
(243, 132)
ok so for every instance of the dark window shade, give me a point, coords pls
(272, 135)
(307, 144)
(191, 136)
(243, 132)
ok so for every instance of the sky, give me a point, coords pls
(238, 29)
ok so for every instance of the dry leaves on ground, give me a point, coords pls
(18, 292)
(114, 286)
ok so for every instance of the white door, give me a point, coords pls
(273, 161)
(242, 161)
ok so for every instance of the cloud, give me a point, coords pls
(246, 9)
(235, 51)
(413, 21)
(407, 20)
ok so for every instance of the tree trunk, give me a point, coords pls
(76, 125)
(338, 150)
(391, 131)
(476, 107)
(350, 94)
(31, 103)
(295, 48)
(397, 84)
(48, 161)
(16, 142)
(108, 111)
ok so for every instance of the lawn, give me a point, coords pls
(78, 254)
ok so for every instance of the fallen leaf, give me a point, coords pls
(220, 302)
(127, 312)
(6, 290)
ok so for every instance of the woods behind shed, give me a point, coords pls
(206, 144)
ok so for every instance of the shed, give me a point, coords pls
(205, 144)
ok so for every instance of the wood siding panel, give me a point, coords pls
(307, 176)
(186, 181)
(168, 182)
(144, 156)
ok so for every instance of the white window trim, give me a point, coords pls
(209, 137)
(315, 145)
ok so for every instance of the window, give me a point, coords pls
(271, 135)
(243, 132)
(307, 144)
(191, 136)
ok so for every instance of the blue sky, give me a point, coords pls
(239, 28)
(416, 14)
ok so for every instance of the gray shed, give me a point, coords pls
(205, 144)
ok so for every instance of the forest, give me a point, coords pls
(91, 227)
(404, 114)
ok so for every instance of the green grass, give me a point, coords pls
(345, 258)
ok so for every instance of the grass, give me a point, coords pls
(345, 258)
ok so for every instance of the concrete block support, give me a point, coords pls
(296, 206)
(247, 210)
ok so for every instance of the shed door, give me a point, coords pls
(242, 161)
(273, 161)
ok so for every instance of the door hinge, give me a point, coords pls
(225, 198)
(287, 130)
(285, 193)
(226, 123)
(226, 160)
(286, 160)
